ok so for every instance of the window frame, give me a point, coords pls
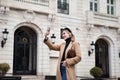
(111, 7)
(92, 5)
(63, 6)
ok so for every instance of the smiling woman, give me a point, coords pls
(70, 54)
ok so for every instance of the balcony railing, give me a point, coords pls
(36, 2)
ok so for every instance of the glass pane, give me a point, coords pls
(91, 6)
(107, 1)
(18, 58)
(112, 1)
(108, 10)
(62, 1)
(112, 10)
(65, 1)
(59, 3)
(95, 6)
(64, 6)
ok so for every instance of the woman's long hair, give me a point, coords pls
(73, 38)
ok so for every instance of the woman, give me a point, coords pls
(70, 54)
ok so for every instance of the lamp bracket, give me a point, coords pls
(3, 43)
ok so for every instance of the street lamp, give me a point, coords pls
(53, 38)
(92, 47)
(5, 33)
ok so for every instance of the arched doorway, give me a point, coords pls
(25, 51)
(102, 56)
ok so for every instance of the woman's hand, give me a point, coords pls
(47, 32)
(64, 63)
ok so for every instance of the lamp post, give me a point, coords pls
(53, 38)
(5, 33)
(92, 47)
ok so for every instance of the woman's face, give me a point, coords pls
(65, 35)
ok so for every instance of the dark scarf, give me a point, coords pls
(67, 43)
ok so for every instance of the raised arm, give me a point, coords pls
(51, 45)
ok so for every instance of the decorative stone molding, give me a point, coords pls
(3, 21)
(29, 15)
(104, 29)
(118, 31)
(51, 17)
(4, 10)
(90, 26)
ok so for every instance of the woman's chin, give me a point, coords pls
(64, 38)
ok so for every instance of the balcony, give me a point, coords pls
(42, 6)
(100, 19)
(36, 2)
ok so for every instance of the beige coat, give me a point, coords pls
(72, 57)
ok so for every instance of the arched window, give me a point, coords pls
(102, 56)
(25, 51)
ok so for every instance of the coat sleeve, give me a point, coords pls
(77, 58)
(52, 46)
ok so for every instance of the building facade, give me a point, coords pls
(92, 21)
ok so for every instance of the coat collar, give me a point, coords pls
(68, 48)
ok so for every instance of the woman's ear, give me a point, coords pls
(70, 35)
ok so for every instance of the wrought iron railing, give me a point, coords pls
(36, 2)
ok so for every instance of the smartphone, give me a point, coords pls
(48, 29)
